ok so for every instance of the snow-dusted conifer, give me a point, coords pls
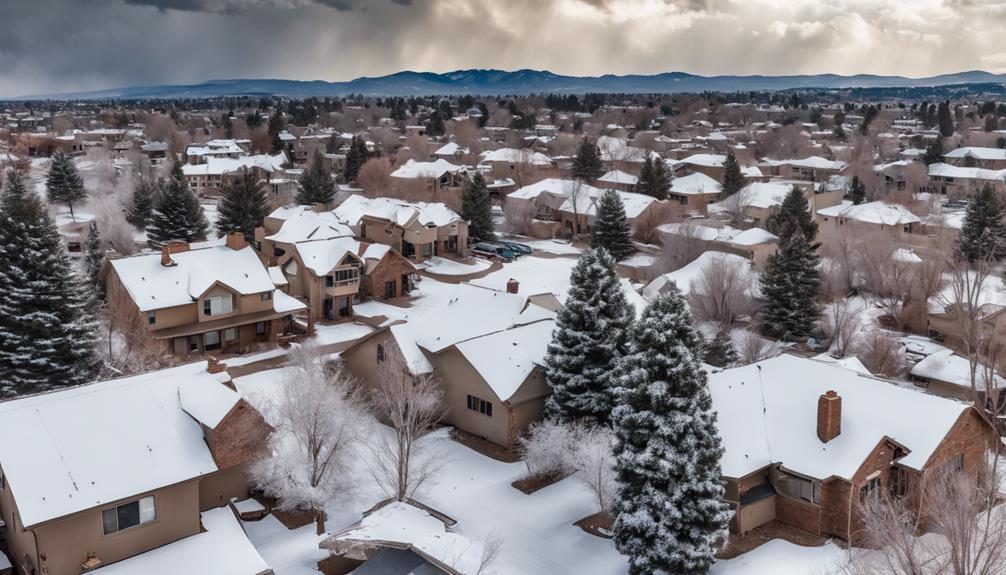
(243, 207)
(477, 209)
(64, 184)
(316, 185)
(669, 517)
(47, 332)
(789, 286)
(141, 206)
(94, 257)
(983, 233)
(587, 343)
(177, 214)
(611, 227)
(720, 352)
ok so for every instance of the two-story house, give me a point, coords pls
(417, 230)
(196, 300)
(108, 471)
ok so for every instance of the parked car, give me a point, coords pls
(521, 249)
(493, 250)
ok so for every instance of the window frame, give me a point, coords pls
(140, 522)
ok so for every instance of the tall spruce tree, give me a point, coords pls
(733, 178)
(660, 184)
(789, 287)
(141, 206)
(857, 191)
(47, 331)
(669, 515)
(721, 352)
(587, 165)
(477, 209)
(315, 185)
(945, 120)
(94, 258)
(644, 183)
(587, 343)
(177, 214)
(934, 152)
(243, 207)
(276, 125)
(611, 227)
(356, 156)
(983, 233)
(64, 184)
(794, 214)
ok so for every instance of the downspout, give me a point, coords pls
(852, 491)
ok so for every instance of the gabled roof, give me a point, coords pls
(413, 169)
(618, 177)
(399, 212)
(977, 152)
(586, 203)
(90, 445)
(810, 162)
(697, 183)
(219, 166)
(556, 186)
(154, 286)
(506, 358)
(872, 212)
(940, 169)
(322, 256)
(301, 223)
(513, 155)
(767, 414)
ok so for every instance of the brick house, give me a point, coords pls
(811, 168)
(196, 300)
(805, 441)
(105, 472)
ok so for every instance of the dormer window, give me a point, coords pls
(218, 305)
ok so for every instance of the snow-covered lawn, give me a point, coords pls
(780, 557)
(446, 267)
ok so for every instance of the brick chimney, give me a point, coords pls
(172, 247)
(213, 365)
(512, 286)
(236, 241)
(829, 416)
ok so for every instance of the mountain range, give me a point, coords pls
(521, 82)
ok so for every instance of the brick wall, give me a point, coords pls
(806, 516)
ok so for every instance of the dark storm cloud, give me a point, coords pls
(51, 46)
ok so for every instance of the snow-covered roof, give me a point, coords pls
(713, 161)
(699, 231)
(978, 153)
(402, 213)
(219, 166)
(877, 212)
(586, 203)
(767, 413)
(514, 156)
(222, 549)
(301, 223)
(284, 303)
(765, 194)
(556, 186)
(89, 445)
(154, 286)
(413, 169)
(450, 149)
(686, 278)
(947, 366)
(697, 183)
(810, 162)
(753, 236)
(506, 358)
(618, 177)
(322, 256)
(401, 523)
(942, 170)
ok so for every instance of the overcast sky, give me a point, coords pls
(69, 45)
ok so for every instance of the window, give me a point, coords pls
(899, 482)
(265, 296)
(796, 487)
(278, 252)
(151, 318)
(363, 230)
(260, 328)
(329, 281)
(380, 354)
(952, 465)
(128, 515)
(211, 340)
(218, 305)
(346, 274)
(231, 333)
(427, 250)
(871, 485)
(480, 405)
(389, 290)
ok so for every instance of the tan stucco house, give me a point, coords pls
(416, 230)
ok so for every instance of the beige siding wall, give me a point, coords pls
(219, 488)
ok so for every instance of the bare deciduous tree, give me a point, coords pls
(722, 292)
(881, 354)
(411, 405)
(842, 323)
(375, 177)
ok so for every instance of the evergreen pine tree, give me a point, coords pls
(983, 233)
(276, 125)
(733, 178)
(94, 257)
(669, 514)
(177, 214)
(316, 185)
(243, 207)
(142, 204)
(789, 287)
(857, 191)
(661, 183)
(793, 214)
(644, 183)
(47, 332)
(934, 152)
(64, 184)
(945, 120)
(611, 227)
(435, 126)
(720, 352)
(588, 340)
(587, 165)
(477, 209)
(355, 158)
